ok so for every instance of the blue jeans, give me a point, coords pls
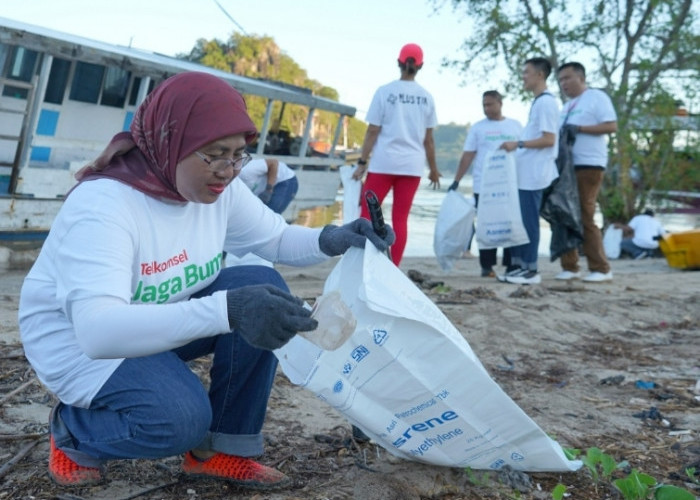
(283, 194)
(155, 406)
(525, 256)
(628, 246)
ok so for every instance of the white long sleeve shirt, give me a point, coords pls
(115, 274)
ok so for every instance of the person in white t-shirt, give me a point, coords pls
(273, 181)
(129, 287)
(400, 139)
(644, 230)
(484, 137)
(589, 114)
(535, 163)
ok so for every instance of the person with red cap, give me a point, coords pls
(129, 287)
(399, 138)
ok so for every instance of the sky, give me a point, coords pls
(350, 46)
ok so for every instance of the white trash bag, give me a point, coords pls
(352, 189)
(499, 221)
(410, 381)
(611, 242)
(453, 229)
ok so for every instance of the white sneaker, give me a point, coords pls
(596, 277)
(567, 275)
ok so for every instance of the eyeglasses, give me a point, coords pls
(218, 165)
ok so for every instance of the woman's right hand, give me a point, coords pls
(267, 317)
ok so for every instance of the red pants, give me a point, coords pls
(405, 187)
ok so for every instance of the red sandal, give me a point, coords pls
(66, 472)
(237, 470)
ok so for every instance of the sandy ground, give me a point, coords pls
(569, 355)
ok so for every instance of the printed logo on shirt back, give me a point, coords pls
(418, 100)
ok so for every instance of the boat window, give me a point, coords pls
(58, 80)
(135, 86)
(87, 82)
(20, 66)
(4, 50)
(116, 86)
(133, 95)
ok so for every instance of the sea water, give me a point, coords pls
(426, 205)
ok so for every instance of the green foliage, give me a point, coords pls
(638, 486)
(612, 199)
(670, 492)
(356, 132)
(690, 472)
(600, 464)
(449, 145)
(645, 54)
(260, 57)
(441, 288)
(558, 492)
(571, 453)
(635, 486)
(650, 147)
(480, 480)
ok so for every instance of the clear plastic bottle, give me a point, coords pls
(336, 322)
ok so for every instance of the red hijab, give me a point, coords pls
(184, 113)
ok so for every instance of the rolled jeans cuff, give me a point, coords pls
(64, 441)
(240, 445)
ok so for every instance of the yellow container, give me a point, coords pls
(682, 250)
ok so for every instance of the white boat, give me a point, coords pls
(63, 97)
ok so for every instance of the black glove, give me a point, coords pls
(335, 240)
(453, 186)
(267, 194)
(267, 317)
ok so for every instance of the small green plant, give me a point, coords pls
(596, 460)
(639, 486)
(558, 492)
(670, 492)
(635, 486)
(477, 479)
(571, 453)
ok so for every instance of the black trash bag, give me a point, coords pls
(560, 201)
(563, 239)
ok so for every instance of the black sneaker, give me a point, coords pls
(512, 272)
(525, 277)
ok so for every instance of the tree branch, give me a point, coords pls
(658, 66)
